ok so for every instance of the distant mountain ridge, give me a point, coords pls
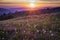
(4, 10)
(12, 10)
(57, 9)
(50, 10)
(22, 13)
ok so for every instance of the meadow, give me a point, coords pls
(31, 27)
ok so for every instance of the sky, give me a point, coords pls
(30, 4)
(27, 2)
(19, 1)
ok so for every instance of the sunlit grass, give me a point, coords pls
(45, 26)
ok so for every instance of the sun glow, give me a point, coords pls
(32, 5)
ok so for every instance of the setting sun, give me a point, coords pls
(32, 5)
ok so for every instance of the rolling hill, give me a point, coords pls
(39, 24)
(24, 12)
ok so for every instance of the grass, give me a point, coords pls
(33, 27)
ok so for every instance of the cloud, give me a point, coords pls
(38, 1)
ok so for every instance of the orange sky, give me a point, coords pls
(26, 3)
